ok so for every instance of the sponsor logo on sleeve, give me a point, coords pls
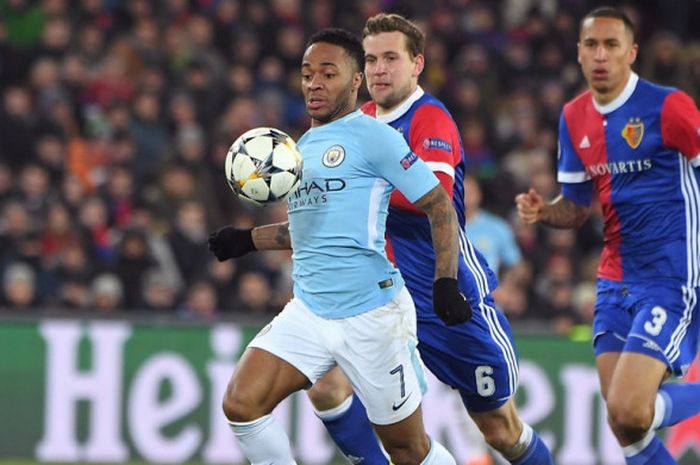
(408, 160)
(435, 143)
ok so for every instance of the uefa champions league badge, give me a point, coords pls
(633, 132)
(334, 156)
(435, 143)
(408, 160)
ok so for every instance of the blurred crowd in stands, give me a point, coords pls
(116, 116)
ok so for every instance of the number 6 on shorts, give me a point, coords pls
(485, 384)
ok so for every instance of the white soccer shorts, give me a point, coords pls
(376, 350)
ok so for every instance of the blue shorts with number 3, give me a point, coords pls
(657, 318)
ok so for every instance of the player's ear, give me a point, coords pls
(419, 65)
(578, 52)
(357, 81)
(633, 53)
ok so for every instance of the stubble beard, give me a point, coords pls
(393, 99)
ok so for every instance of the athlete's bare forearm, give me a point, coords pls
(444, 229)
(272, 237)
(563, 213)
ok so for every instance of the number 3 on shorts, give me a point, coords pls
(653, 327)
(485, 385)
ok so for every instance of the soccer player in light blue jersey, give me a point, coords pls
(350, 307)
(477, 358)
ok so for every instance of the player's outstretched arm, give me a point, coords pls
(560, 213)
(229, 242)
(448, 302)
(272, 237)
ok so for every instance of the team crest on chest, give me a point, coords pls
(334, 156)
(633, 132)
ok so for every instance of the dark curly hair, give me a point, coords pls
(342, 38)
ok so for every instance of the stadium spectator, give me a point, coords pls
(24, 22)
(19, 236)
(17, 126)
(106, 293)
(186, 239)
(224, 276)
(50, 149)
(57, 234)
(132, 262)
(254, 291)
(159, 293)
(34, 190)
(200, 302)
(19, 286)
(492, 235)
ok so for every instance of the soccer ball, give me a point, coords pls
(263, 165)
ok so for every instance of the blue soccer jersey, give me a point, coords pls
(337, 217)
(640, 153)
(457, 355)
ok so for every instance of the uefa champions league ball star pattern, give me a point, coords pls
(263, 165)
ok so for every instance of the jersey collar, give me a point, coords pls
(403, 108)
(620, 99)
(353, 114)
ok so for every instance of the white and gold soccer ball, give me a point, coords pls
(263, 165)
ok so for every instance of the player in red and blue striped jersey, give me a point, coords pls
(637, 146)
(477, 358)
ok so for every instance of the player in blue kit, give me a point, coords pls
(477, 358)
(637, 146)
(350, 305)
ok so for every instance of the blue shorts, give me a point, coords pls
(478, 358)
(657, 318)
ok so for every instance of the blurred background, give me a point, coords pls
(116, 116)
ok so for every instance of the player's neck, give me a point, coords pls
(386, 110)
(343, 111)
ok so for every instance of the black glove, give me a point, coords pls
(449, 304)
(229, 242)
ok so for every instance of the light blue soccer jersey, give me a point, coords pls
(337, 217)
